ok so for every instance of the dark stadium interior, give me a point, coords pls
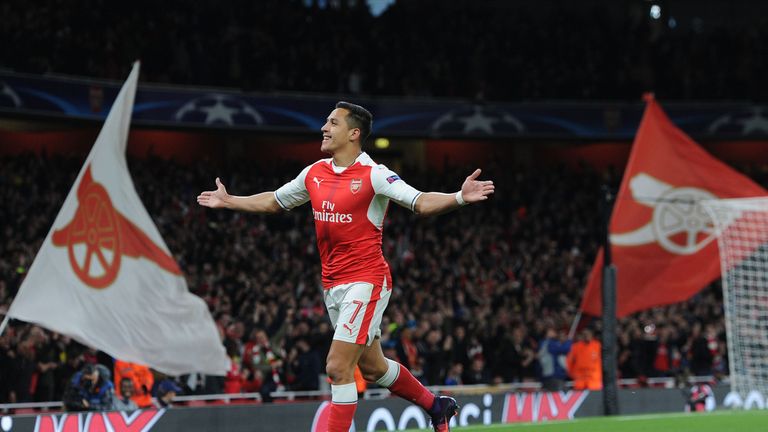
(493, 49)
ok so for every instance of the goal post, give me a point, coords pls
(742, 236)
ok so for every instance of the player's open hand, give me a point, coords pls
(474, 190)
(214, 199)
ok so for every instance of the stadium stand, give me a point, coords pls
(522, 261)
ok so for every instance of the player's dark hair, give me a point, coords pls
(358, 117)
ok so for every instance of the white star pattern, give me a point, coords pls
(220, 108)
(219, 111)
(8, 91)
(440, 122)
(755, 123)
(478, 121)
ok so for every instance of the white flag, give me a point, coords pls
(105, 277)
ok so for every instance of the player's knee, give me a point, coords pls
(338, 371)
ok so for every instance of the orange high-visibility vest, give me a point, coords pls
(359, 381)
(584, 365)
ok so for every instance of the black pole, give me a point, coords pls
(609, 337)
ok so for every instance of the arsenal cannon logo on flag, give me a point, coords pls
(678, 224)
(99, 235)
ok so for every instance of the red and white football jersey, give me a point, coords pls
(349, 205)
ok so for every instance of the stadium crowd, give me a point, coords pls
(480, 296)
(495, 50)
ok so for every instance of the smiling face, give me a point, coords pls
(337, 134)
(126, 387)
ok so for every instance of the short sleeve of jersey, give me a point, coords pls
(386, 182)
(294, 193)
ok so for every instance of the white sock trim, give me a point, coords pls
(344, 393)
(389, 378)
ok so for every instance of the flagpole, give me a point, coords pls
(609, 334)
(5, 323)
(574, 326)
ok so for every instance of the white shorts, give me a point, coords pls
(354, 315)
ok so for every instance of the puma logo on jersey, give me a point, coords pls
(317, 181)
(349, 329)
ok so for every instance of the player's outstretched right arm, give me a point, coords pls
(264, 202)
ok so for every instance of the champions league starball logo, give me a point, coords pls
(753, 121)
(478, 120)
(9, 97)
(217, 108)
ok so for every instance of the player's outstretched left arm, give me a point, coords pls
(264, 202)
(472, 191)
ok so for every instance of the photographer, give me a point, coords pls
(89, 390)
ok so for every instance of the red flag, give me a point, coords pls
(662, 241)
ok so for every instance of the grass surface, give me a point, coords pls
(718, 421)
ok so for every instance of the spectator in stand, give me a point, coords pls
(390, 348)
(477, 373)
(584, 362)
(696, 393)
(48, 360)
(407, 351)
(124, 401)
(700, 354)
(516, 356)
(460, 346)
(26, 371)
(667, 358)
(305, 366)
(260, 357)
(165, 391)
(455, 374)
(142, 379)
(236, 376)
(435, 355)
(90, 390)
(697, 397)
(552, 354)
(7, 365)
(202, 384)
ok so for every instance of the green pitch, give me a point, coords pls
(718, 421)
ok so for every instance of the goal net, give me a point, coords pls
(742, 236)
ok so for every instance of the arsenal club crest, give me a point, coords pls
(355, 185)
(104, 235)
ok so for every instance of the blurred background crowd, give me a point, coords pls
(485, 295)
(494, 49)
(482, 296)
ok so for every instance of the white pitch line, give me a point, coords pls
(667, 415)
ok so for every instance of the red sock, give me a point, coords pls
(409, 388)
(341, 417)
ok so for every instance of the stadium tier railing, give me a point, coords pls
(373, 394)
